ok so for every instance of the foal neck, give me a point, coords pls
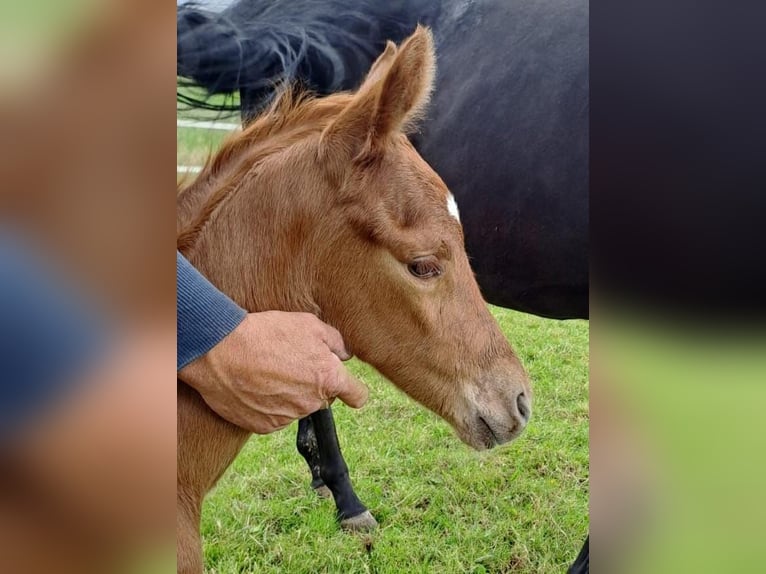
(260, 245)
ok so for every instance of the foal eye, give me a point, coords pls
(425, 267)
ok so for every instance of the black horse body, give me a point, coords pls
(508, 133)
(507, 128)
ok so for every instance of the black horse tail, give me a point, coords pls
(254, 45)
(209, 56)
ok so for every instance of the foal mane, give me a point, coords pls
(294, 114)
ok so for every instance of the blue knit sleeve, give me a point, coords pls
(205, 315)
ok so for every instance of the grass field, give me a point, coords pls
(442, 507)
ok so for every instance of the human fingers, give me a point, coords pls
(333, 340)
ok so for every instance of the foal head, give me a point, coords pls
(333, 211)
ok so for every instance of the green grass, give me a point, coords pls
(442, 507)
(193, 145)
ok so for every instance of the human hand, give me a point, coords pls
(273, 368)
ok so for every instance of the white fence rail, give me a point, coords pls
(201, 125)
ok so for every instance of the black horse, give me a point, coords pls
(517, 162)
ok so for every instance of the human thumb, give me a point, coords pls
(350, 390)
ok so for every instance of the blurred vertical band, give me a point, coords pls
(87, 285)
(678, 144)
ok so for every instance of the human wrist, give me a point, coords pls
(205, 314)
(207, 372)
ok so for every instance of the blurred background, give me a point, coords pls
(677, 334)
(87, 314)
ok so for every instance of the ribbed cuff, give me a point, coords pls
(205, 315)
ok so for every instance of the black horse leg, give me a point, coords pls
(581, 564)
(353, 515)
(306, 441)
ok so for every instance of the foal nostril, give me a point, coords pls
(523, 404)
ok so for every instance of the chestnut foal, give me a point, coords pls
(323, 206)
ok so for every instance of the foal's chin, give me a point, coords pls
(483, 428)
(479, 435)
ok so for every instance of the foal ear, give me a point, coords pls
(392, 97)
(379, 68)
(406, 88)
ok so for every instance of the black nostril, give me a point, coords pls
(523, 404)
